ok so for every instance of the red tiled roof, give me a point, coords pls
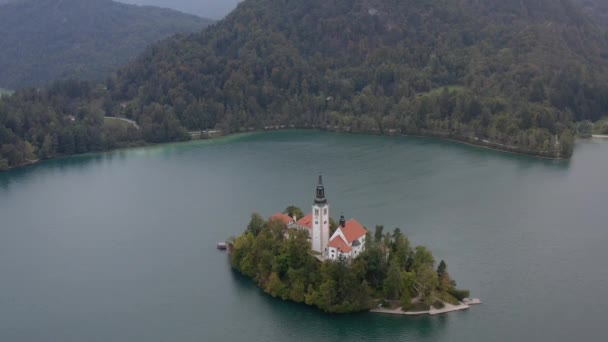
(353, 230)
(306, 221)
(339, 244)
(281, 217)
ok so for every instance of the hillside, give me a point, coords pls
(596, 9)
(508, 74)
(216, 9)
(48, 40)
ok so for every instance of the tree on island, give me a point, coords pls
(293, 210)
(256, 224)
(280, 261)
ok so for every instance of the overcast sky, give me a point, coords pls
(215, 9)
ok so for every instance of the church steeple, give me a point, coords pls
(342, 221)
(320, 218)
(320, 198)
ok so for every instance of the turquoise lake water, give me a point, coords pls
(121, 246)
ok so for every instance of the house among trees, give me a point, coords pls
(348, 241)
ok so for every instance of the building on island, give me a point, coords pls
(348, 241)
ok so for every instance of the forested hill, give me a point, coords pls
(596, 9)
(48, 40)
(507, 73)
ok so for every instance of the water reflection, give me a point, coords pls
(74, 163)
(349, 148)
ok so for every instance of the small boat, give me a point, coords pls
(222, 246)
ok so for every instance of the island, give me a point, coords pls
(340, 267)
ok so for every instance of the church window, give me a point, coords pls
(317, 212)
(324, 222)
(316, 222)
(325, 211)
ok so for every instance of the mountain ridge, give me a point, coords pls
(49, 40)
(215, 9)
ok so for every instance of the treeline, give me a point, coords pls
(596, 9)
(389, 270)
(518, 74)
(68, 118)
(515, 74)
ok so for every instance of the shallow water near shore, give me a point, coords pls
(120, 246)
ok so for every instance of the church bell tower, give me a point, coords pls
(320, 224)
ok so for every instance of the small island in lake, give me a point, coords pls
(340, 267)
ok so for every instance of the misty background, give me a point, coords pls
(214, 9)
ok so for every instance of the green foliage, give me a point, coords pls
(445, 297)
(406, 301)
(378, 234)
(423, 258)
(566, 144)
(392, 283)
(596, 9)
(375, 264)
(79, 39)
(256, 224)
(420, 306)
(442, 269)
(282, 264)
(408, 282)
(460, 82)
(293, 210)
(438, 304)
(459, 294)
(426, 281)
(505, 74)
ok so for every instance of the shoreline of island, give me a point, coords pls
(341, 267)
(447, 307)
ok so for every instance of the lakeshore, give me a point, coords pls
(281, 255)
(218, 134)
(447, 307)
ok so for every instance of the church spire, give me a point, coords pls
(320, 198)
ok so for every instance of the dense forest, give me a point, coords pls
(389, 270)
(515, 75)
(48, 40)
(596, 9)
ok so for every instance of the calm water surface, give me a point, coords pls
(121, 246)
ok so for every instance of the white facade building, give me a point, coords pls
(348, 241)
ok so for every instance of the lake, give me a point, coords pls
(121, 246)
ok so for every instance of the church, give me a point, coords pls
(348, 241)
